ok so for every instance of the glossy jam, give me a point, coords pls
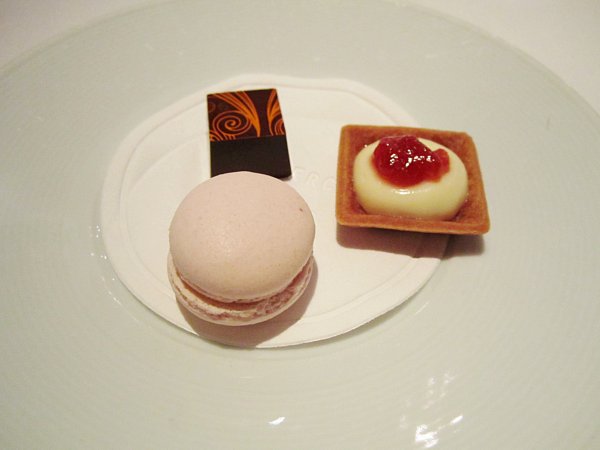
(404, 161)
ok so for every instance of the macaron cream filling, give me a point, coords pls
(218, 299)
(239, 313)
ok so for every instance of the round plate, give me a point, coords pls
(499, 348)
(167, 155)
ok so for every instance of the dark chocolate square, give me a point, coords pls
(247, 132)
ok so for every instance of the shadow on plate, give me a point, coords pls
(390, 241)
(464, 246)
(249, 336)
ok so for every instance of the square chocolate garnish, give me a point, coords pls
(247, 132)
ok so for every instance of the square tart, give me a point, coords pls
(472, 218)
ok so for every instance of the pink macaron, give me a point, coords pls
(241, 248)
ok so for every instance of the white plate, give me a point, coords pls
(167, 155)
(498, 350)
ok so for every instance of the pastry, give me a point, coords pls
(240, 248)
(471, 216)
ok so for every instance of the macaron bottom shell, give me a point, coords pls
(238, 313)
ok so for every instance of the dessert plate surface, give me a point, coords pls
(499, 349)
(360, 274)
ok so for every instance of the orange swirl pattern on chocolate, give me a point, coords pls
(244, 114)
(235, 122)
(274, 117)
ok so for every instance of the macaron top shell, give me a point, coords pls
(241, 236)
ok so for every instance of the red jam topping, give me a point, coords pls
(404, 161)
